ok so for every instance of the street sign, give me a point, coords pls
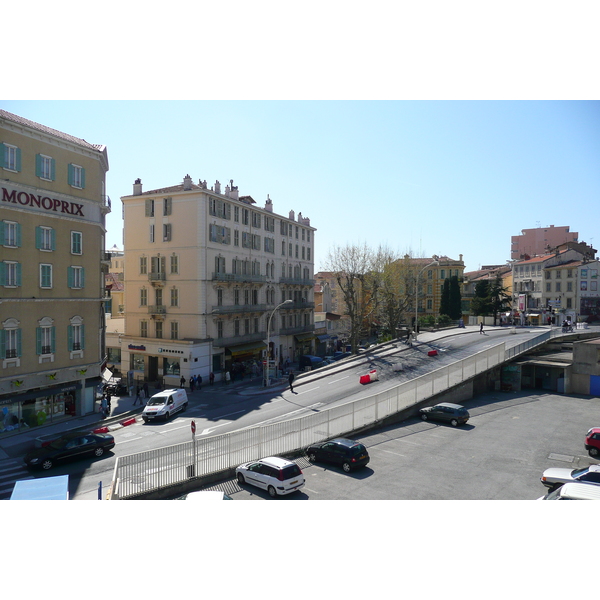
(193, 426)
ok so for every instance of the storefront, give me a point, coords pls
(41, 407)
(244, 359)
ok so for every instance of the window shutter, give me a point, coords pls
(2, 154)
(82, 277)
(149, 208)
(53, 339)
(19, 352)
(82, 177)
(2, 273)
(18, 235)
(19, 169)
(2, 228)
(53, 169)
(38, 340)
(163, 264)
(70, 277)
(70, 177)
(38, 165)
(82, 336)
(2, 343)
(18, 274)
(70, 338)
(53, 239)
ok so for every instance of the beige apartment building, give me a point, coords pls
(52, 228)
(206, 272)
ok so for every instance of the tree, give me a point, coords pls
(451, 302)
(490, 298)
(354, 268)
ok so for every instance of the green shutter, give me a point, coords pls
(53, 239)
(18, 235)
(38, 165)
(38, 237)
(19, 163)
(53, 339)
(2, 154)
(38, 340)
(52, 169)
(2, 227)
(70, 338)
(70, 277)
(18, 274)
(2, 273)
(82, 329)
(82, 177)
(19, 353)
(2, 343)
(70, 174)
(82, 277)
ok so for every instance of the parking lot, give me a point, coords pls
(499, 454)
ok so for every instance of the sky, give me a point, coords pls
(443, 177)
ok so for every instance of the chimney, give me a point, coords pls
(292, 215)
(269, 204)
(137, 187)
(217, 187)
(187, 183)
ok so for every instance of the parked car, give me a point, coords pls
(312, 362)
(340, 451)
(455, 414)
(592, 441)
(276, 475)
(340, 355)
(554, 477)
(70, 446)
(574, 490)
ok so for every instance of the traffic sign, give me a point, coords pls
(193, 426)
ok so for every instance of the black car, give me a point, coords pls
(348, 453)
(70, 446)
(455, 414)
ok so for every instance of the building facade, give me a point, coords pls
(539, 241)
(53, 206)
(205, 273)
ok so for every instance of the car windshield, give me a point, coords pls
(577, 472)
(157, 400)
(358, 449)
(291, 471)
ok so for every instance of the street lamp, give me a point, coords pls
(431, 264)
(288, 301)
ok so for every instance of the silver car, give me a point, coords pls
(555, 477)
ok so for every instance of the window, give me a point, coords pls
(548, 287)
(76, 278)
(569, 286)
(143, 297)
(76, 335)
(220, 264)
(236, 328)
(558, 286)
(10, 340)
(256, 219)
(76, 176)
(159, 329)
(144, 329)
(167, 206)
(10, 234)
(174, 264)
(10, 274)
(236, 238)
(10, 157)
(45, 276)
(149, 209)
(167, 232)
(219, 234)
(76, 242)
(174, 330)
(219, 329)
(45, 238)
(45, 167)
(151, 234)
(174, 297)
(220, 297)
(45, 337)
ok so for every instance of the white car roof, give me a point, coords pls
(580, 491)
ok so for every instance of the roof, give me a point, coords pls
(49, 131)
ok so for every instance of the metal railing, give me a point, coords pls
(141, 473)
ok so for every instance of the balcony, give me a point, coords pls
(157, 279)
(234, 340)
(238, 278)
(298, 305)
(238, 308)
(157, 311)
(297, 330)
(297, 281)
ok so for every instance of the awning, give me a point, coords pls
(303, 337)
(323, 338)
(246, 348)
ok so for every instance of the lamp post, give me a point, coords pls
(431, 264)
(288, 301)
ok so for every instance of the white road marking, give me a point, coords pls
(130, 440)
(338, 380)
(305, 391)
(210, 429)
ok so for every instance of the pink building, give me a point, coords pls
(534, 242)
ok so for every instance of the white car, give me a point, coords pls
(574, 490)
(276, 475)
(555, 477)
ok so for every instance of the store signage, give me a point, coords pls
(134, 347)
(27, 199)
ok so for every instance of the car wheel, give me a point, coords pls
(346, 467)
(312, 457)
(240, 479)
(167, 415)
(184, 407)
(272, 492)
(424, 416)
(594, 452)
(99, 451)
(47, 464)
(454, 422)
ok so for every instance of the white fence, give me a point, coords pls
(138, 474)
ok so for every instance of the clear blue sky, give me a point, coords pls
(431, 177)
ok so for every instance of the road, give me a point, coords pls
(217, 410)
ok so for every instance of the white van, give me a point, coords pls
(574, 491)
(164, 404)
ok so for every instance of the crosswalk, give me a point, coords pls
(11, 470)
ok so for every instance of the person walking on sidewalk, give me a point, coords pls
(211, 378)
(481, 327)
(199, 381)
(291, 381)
(182, 381)
(138, 396)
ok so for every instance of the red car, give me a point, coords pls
(592, 441)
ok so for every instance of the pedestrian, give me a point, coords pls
(291, 381)
(192, 383)
(138, 396)
(211, 378)
(146, 391)
(481, 327)
(104, 407)
(199, 382)
(182, 381)
(227, 377)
